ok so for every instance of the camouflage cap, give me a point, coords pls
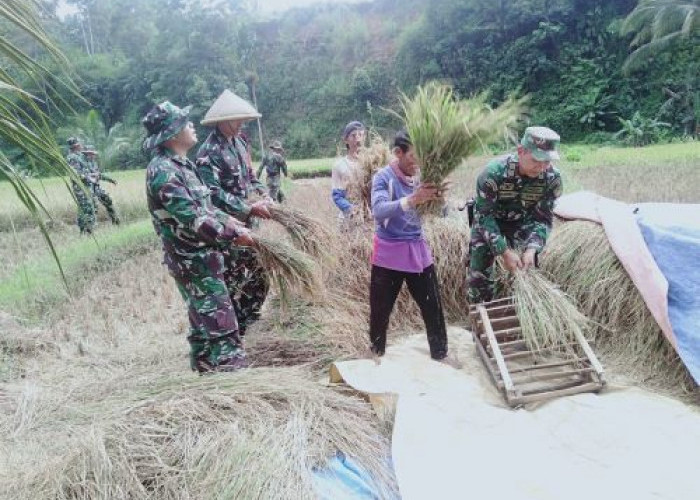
(163, 122)
(72, 142)
(542, 142)
(351, 127)
(276, 145)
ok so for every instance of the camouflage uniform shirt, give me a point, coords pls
(81, 166)
(274, 165)
(223, 166)
(505, 198)
(181, 207)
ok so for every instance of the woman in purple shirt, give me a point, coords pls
(400, 251)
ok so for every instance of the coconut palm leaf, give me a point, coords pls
(23, 123)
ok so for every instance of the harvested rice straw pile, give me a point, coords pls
(257, 434)
(288, 268)
(547, 317)
(448, 239)
(308, 234)
(370, 159)
(445, 131)
(578, 257)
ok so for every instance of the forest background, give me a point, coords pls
(310, 70)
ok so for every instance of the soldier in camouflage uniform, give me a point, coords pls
(513, 210)
(86, 208)
(98, 193)
(274, 165)
(194, 233)
(225, 168)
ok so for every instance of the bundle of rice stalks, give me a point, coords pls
(308, 234)
(288, 268)
(258, 434)
(578, 257)
(370, 159)
(547, 317)
(445, 131)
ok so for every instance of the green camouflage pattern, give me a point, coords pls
(86, 207)
(194, 233)
(510, 211)
(248, 284)
(274, 165)
(98, 193)
(224, 167)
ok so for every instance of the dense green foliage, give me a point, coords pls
(314, 69)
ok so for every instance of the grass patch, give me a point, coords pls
(34, 285)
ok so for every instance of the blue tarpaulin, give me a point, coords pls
(344, 479)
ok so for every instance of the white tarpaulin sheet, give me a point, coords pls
(454, 437)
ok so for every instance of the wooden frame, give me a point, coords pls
(524, 375)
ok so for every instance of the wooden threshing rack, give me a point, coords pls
(525, 375)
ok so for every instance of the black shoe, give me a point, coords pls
(233, 364)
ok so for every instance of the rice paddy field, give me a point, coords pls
(96, 397)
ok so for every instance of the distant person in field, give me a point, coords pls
(275, 166)
(344, 169)
(86, 207)
(224, 165)
(513, 207)
(193, 232)
(400, 250)
(98, 193)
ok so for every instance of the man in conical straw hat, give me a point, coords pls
(223, 164)
(514, 205)
(275, 165)
(193, 232)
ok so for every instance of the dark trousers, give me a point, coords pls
(384, 287)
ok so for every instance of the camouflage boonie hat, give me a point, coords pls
(542, 142)
(72, 142)
(163, 122)
(277, 145)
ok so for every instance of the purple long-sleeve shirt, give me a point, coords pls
(398, 240)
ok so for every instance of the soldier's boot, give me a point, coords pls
(234, 363)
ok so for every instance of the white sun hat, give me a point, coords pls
(228, 106)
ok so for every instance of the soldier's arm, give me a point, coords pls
(485, 205)
(212, 226)
(257, 185)
(233, 205)
(538, 222)
(283, 167)
(262, 165)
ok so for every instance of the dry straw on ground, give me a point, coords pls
(578, 257)
(257, 434)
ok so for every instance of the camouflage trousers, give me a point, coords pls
(248, 284)
(86, 210)
(214, 333)
(274, 188)
(101, 195)
(480, 273)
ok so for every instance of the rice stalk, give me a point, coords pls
(288, 268)
(445, 131)
(547, 317)
(578, 257)
(307, 233)
(369, 159)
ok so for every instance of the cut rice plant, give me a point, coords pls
(370, 159)
(579, 258)
(548, 318)
(256, 434)
(307, 233)
(288, 268)
(445, 131)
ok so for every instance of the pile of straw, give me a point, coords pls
(578, 257)
(307, 233)
(547, 317)
(370, 159)
(445, 131)
(257, 434)
(288, 268)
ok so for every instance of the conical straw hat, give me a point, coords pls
(229, 107)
